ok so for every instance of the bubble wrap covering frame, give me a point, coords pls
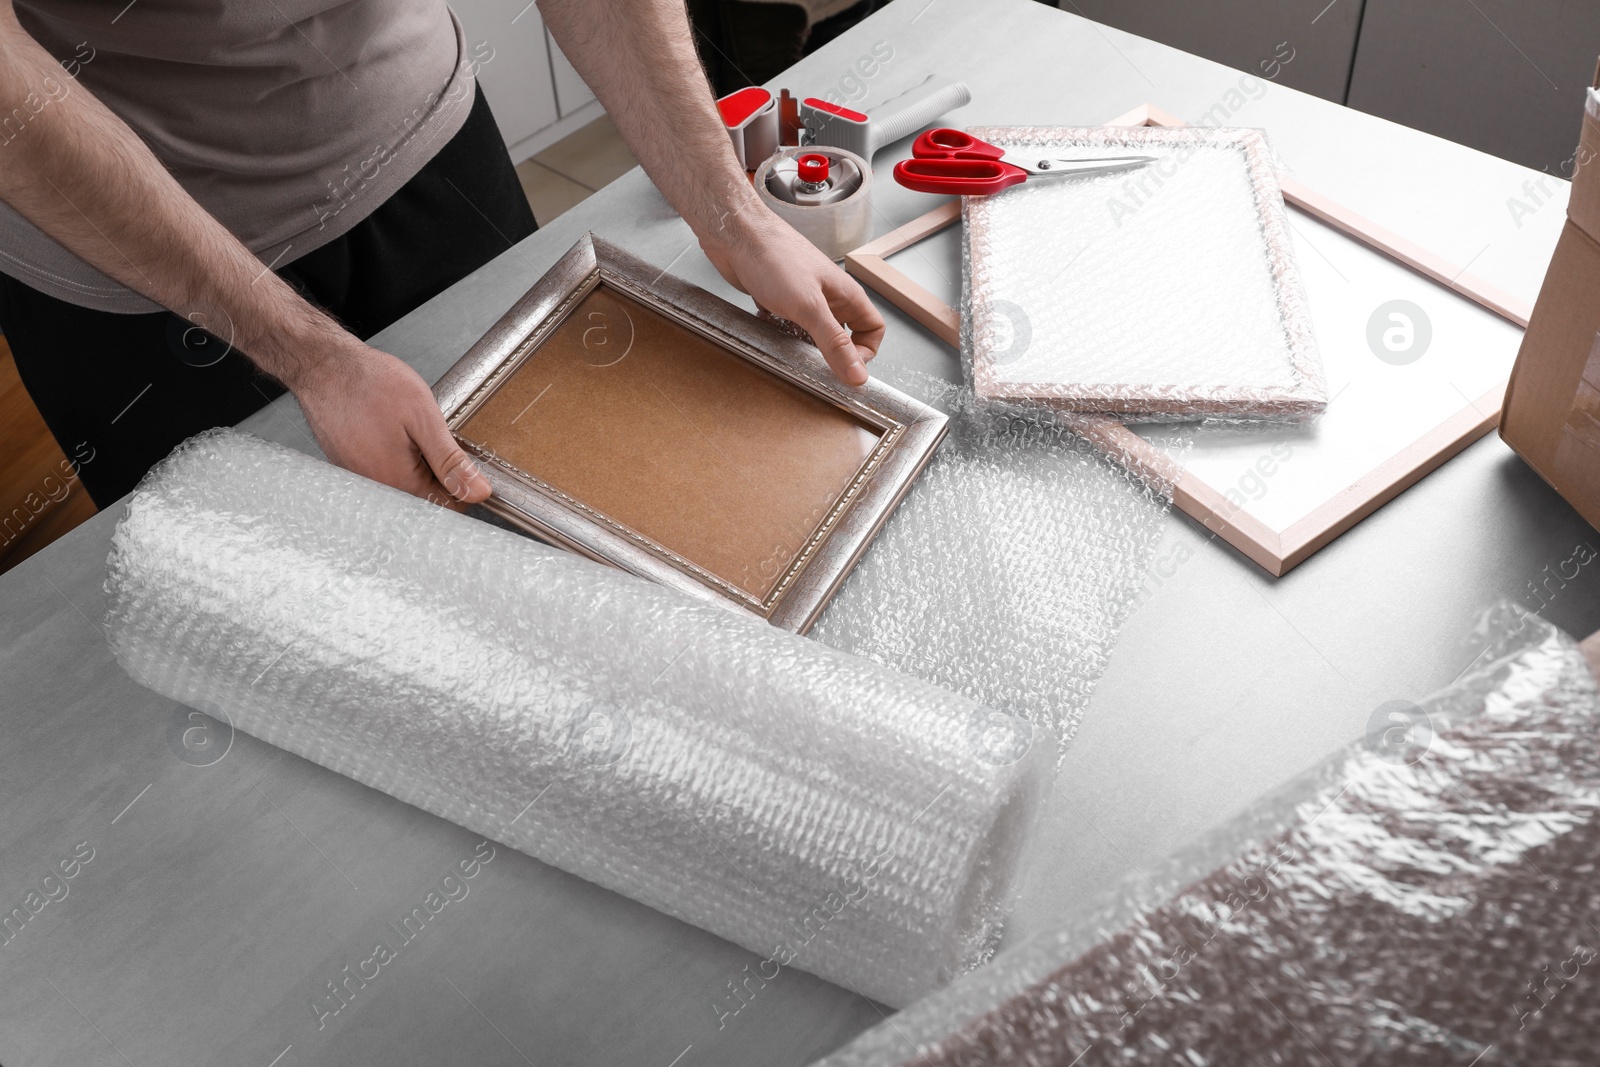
(1418, 899)
(812, 807)
(1008, 570)
(1257, 361)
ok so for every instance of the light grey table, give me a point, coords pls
(221, 899)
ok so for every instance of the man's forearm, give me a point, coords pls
(84, 177)
(639, 58)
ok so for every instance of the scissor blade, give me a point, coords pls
(1078, 168)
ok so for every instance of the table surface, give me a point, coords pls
(220, 900)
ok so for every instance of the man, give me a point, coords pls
(287, 177)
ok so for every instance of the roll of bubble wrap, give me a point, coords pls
(1425, 897)
(814, 808)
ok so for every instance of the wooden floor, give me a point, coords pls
(39, 498)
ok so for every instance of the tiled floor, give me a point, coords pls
(581, 163)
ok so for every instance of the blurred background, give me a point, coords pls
(1502, 76)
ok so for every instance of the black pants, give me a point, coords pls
(119, 391)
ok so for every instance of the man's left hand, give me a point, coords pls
(790, 277)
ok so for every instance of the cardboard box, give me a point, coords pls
(1551, 416)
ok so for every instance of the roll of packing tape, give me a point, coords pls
(837, 226)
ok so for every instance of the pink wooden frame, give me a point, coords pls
(1276, 552)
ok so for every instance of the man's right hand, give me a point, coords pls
(81, 173)
(374, 415)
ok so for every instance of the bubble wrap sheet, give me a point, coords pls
(1166, 292)
(812, 807)
(1009, 568)
(1427, 897)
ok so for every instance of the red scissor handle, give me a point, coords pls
(962, 177)
(946, 143)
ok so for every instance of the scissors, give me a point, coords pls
(949, 161)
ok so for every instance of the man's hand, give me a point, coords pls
(374, 415)
(639, 58)
(81, 174)
(788, 276)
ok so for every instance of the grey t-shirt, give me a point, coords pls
(288, 120)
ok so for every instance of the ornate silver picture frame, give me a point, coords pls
(625, 414)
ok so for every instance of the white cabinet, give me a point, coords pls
(536, 95)
(571, 92)
(514, 67)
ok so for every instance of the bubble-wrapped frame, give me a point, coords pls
(989, 239)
